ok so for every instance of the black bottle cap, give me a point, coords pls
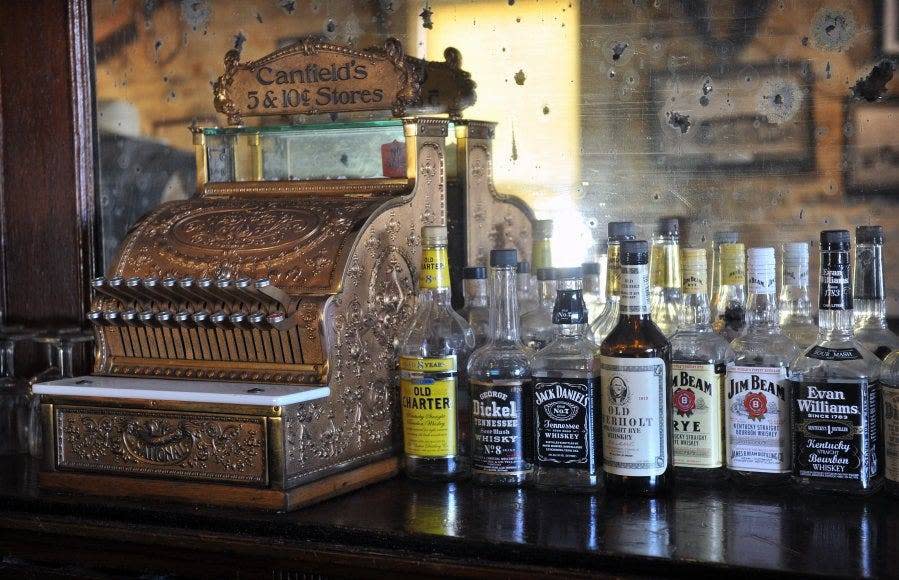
(503, 258)
(634, 252)
(523, 267)
(622, 231)
(575, 272)
(868, 234)
(834, 240)
(474, 273)
(546, 274)
(669, 226)
(590, 268)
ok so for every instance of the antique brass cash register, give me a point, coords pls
(245, 337)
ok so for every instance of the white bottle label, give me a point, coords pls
(891, 431)
(634, 289)
(635, 416)
(757, 419)
(696, 391)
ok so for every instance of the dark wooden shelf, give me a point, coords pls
(403, 527)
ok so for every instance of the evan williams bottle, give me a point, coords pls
(635, 378)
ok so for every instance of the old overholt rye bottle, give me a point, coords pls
(756, 388)
(433, 355)
(699, 358)
(498, 373)
(889, 380)
(635, 380)
(566, 408)
(836, 396)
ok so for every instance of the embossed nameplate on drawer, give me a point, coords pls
(182, 445)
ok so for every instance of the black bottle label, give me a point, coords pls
(836, 289)
(835, 430)
(497, 427)
(822, 353)
(565, 413)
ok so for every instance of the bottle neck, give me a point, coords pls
(569, 311)
(613, 271)
(541, 254)
(7, 357)
(504, 306)
(695, 313)
(475, 292)
(835, 299)
(665, 263)
(434, 279)
(761, 312)
(546, 290)
(869, 306)
(634, 300)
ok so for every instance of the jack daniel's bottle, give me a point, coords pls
(635, 380)
(836, 395)
(433, 356)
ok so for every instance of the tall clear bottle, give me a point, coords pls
(525, 287)
(796, 318)
(757, 401)
(718, 238)
(870, 311)
(608, 318)
(665, 276)
(566, 403)
(836, 406)
(699, 358)
(889, 380)
(474, 290)
(730, 302)
(635, 387)
(537, 328)
(499, 372)
(541, 247)
(433, 388)
(594, 289)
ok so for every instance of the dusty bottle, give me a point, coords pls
(474, 289)
(665, 276)
(594, 289)
(608, 318)
(718, 238)
(541, 247)
(889, 380)
(730, 302)
(537, 327)
(796, 318)
(869, 308)
(525, 288)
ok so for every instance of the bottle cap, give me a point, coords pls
(590, 268)
(573, 273)
(733, 252)
(634, 252)
(868, 234)
(694, 258)
(725, 237)
(503, 258)
(695, 270)
(834, 240)
(543, 229)
(669, 226)
(474, 273)
(619, 231)
(761, 270)
(523, 267)
(796, 251)
(433, 235)
(546, 274)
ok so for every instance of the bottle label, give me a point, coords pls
(428, 398)
(634, 289)
(569, 307)
(497, 427)
(762, 279)
(697, 414)
(795, 274)
(757, 419)
(613, 266)
(835, 428)
(694, 281)
(635, 416)
(891, 431)
(824, 353)
(733, 273)
(434, 269)
(566, 417)
(836, 290)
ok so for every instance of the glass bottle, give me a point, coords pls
(594, 290)
(566, 407)
(433, 355)
(474, 289)
(537, 327)
(525, 288)
(718, 238)
(836, 394)
(730, 302)
(889, 379)
(756, 407)
(665, 276)
(796, 318)
(699, 358)
(635, 380)
(541, 248)
(10, 400)
(870, 311)
(498, 374)
(608, 318)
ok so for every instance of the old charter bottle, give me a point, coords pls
(730, 302)
(757, 403)
(889, 380)
(433, 356)
(699, 358)
(665, 276)
(474, 289)
(836, 395)
(499, 372)
(566, 407)
(635, 380)
(537, 327)
(870, 311)
(795, 305)
(608, 318)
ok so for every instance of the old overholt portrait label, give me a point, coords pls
(428, 399)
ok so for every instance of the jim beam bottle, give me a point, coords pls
(665, 276)
(796, 318)
(836, 393)
(499, 372)
(608, 318)
(870, 311)
(566, 407)
(433, 355)
(699, 358)
(730, 301)
(635, 380)
(889, 377)
(756, 387)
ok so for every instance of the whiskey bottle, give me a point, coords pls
(594, 289)
(474, 289)
(665, 276)
(699, 358)
(433, 355)
(795, 305)
(498, 373)
(718, 238)
(870, 312)
(756, 387)
(730, 302)
(608, 318)
(836, 396)
(537, 327)
(635, 380)
(525, 288)
(566, 407)
(541, 247)
(889, 379)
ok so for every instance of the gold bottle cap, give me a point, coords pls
(695, 270)
(733, 264)
(694, 258)
(733, 253)
(434, 235)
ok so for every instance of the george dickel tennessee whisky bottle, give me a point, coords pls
(634, 381)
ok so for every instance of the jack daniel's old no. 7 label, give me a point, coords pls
(565, 419)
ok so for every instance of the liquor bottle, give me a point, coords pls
(665, 276)
(498, 373)
(699, 358)
(566, 407)
(594, 289)
(870, 312)
(474, 289)
(608, 318)
(718, 239)
(889, 379)
(525, 288)
(836, 395)
(635, 380)
(756, 406)
(433, 355)
(795, 305)
(537, 327)
(730, 302)
(541, 248)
